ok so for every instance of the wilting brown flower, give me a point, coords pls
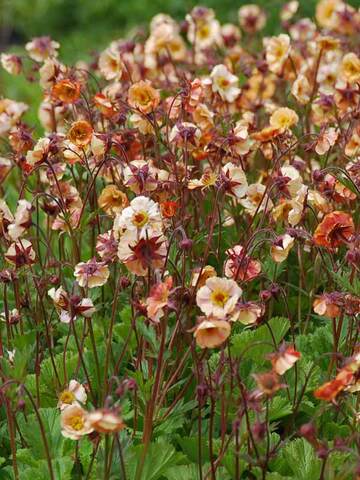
(80, 133)
(268, 383)
(335, 229)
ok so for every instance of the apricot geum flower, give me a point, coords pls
(180, 240)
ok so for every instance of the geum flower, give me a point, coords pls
(329, 304)
(284, 358)
(21, 221)
(248, 313)
(107, 246)
(225, 83)
(211, 332)
(281, 247)
(74, 394)
(69, 307)
(104, 420)
(74, 424)
(218, 296)
(233, 180)
(80, 133)
(251, 18)
(158, 299)
(335, 229)
(66, 90)
(240, 266)
(139, 254)
(142, 96)
(112, 200)
(277, 52)
(268, 383)
(91, 273)
(20, 253)
(141, 215)
(346, 379)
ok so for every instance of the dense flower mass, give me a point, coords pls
(180, 253)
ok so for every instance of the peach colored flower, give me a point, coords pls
(225, 83)
(74, 423)
(284, 118)
(140, 254)
(112, 200)
(91, 273)
(281, 247)
(284, 359)
(158, 299)
(104, 420)
(218, 296)
(211, 332)
(327, 305)
(239, 266)
(200, 275)
(251, 18)
(110, 64)
(143, 96)
(277, 51)
(41, 48)
(74, 394)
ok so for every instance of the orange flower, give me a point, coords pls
(169, 208)
(335, 229)
(66, 90)
(80, 133)
(329, 391)
(266, 134)
(143, 97)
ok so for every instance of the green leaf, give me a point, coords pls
(261, 338)
(158, 459)
(301, 460)
(31, 432)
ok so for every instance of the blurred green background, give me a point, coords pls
(82, 26)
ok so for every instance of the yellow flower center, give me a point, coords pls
(204, 31)
(67, 397)
(77, 422)
(223, 82)
(219, 297)
(140, 219)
